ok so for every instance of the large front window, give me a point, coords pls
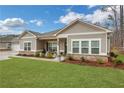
(95, 47)
(86, 46)
(27, 46)
(75, 46)
(52, 46)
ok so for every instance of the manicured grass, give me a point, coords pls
(17, 72)
(121, 57)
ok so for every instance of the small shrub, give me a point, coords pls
(23, 55)
(49, 55)
(43, 51)
(112, 54)
(18, 54)
(82, 59)
(37, 54)
(62, 54)
(100, 61)
(70, 58)
(118, 62)
(42, 54)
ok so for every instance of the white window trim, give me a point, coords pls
(72, 47)
(91, 39)
(52, 43)
(96, 47)
(27, 42)
(88, 47)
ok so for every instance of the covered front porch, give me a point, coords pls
(54, 45)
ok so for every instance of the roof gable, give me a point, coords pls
(27, 34)
(88, 24)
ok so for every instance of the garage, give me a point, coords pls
(15, 47)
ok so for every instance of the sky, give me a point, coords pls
(43, 18)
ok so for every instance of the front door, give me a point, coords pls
(65, 45)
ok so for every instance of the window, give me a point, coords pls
(27, 46)
(75, 46)
(95, 47)
(52, 46)
(85, 47)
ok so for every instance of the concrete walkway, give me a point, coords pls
(6, 54)
(35, 58)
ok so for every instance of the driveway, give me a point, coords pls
(6, 54)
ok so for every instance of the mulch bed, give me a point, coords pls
(96, 64)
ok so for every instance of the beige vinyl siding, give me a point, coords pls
(84, 31)
(40, 44)
(93, 36)
(33, 43)
(28, 35)
(28, 38)
(80, 28)
(62, 44)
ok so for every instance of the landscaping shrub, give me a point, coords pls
(42, 54)
(43, 51)
(112, 54)
(23, 55)
(49, 55)
(118, 62)
(100, 61)
(70, 58)
(37, 54)
(82, 59)
(19, 55)
(62, 54)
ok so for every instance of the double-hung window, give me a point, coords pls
(95, 47)
(27, 46)
(90, 46)
(75, 45)
(84, 47)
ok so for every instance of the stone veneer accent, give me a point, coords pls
(89, 57)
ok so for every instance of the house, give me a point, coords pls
(9, 42)
(76, 39)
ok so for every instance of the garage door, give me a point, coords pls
(15, 47)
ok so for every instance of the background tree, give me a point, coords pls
(117, 17)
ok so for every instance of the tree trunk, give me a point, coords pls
(121, 24)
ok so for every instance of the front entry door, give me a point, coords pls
(65, 45)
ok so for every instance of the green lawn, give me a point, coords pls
(120, 57)
(17, 72)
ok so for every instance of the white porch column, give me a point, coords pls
(58, 51)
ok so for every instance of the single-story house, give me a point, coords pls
(76, 39)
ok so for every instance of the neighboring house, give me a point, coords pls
(8, 42)
(77, 39)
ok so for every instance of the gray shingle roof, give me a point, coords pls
(51, 33)
(33, 32)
